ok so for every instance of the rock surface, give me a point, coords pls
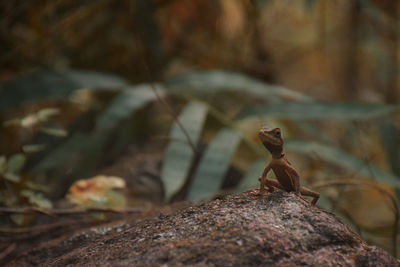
(278, 229)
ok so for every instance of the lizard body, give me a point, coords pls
(287, 176)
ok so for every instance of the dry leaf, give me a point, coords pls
(98, 192)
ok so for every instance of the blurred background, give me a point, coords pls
(121, 104)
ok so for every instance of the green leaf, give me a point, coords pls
(179, 155)
(60, 155)
(37, 199)
(213, 165)
(122, 106)
(46, 113)
(38, 187)
(15, 163)
(58, 132)
(125, 103)
(52, 84)
(344, 159)
(391, 143)
(40, 201)
(27, 193)
(12, 177)
(19, 219)
(115, 199)
(29, 121)
(88, 148)
(206, 82)
(250, 180)
(319, 110)
(33, 148)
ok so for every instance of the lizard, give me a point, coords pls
(287, 177)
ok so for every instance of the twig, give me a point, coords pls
(393, 199)
(168, 138)
(170, 110)
(27, 233)
(38, 228)
(56, 212)
(8, 250)
(382, 191)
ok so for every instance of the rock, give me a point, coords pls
(278, 229)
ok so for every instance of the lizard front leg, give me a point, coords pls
(264, 181)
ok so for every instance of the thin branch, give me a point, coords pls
(170, 110)
(383, 192)
(40, 228)
(175, 117)
(168, 138)
(27, 233)
(8, 251)
(225, 120)
(57, 212)
(393, 199)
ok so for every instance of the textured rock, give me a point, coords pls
(278, 229)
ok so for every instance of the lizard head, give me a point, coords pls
(271, 139)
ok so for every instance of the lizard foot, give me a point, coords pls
(303, 198)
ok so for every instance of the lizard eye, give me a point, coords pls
(277, 134)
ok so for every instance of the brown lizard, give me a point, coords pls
(288, 179)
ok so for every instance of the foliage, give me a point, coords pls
(10, 168)
(16, 189)
(341, 59)
(214, 164)
(52, 84)
(320, 110)
(190, 126)
(184, 165)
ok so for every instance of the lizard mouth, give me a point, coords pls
(265, 129)
(266, 136)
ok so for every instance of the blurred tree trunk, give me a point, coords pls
(350, 65)
(392, 95)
